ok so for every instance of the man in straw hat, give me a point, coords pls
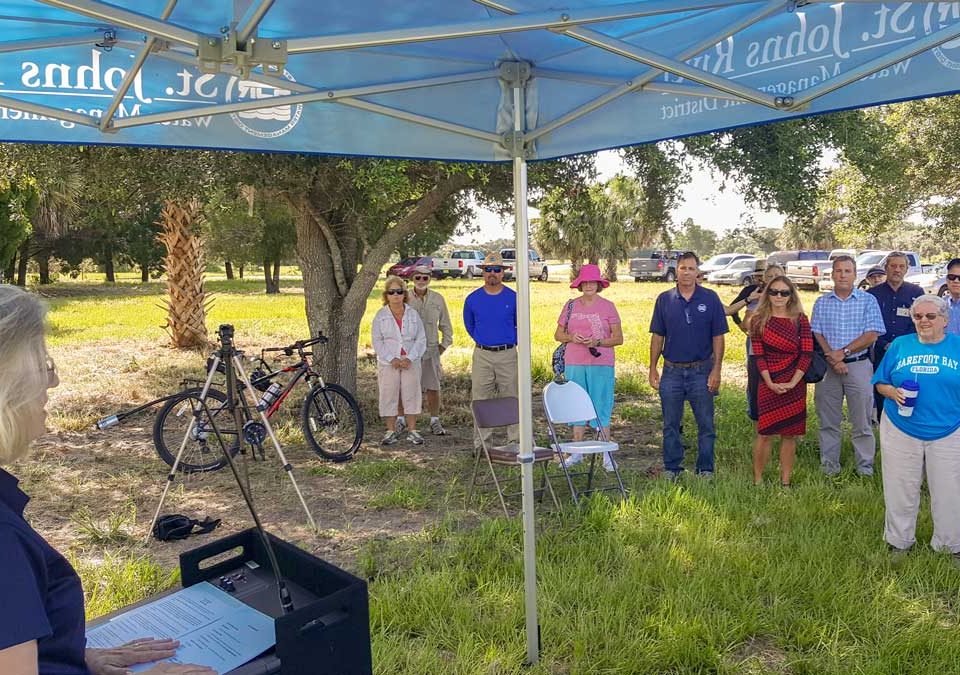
(490, 317)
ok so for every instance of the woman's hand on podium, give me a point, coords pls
(117, 660)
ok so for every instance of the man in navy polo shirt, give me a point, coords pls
(490, 317)
(688, 325)
(895, 297)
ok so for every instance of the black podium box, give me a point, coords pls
(328, 633)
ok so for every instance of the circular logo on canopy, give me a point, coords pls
(939, 15)
(268, 121)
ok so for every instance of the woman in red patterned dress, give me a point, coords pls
(783, 346)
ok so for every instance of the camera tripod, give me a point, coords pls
(235, 408)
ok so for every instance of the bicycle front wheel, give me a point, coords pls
(202, 451)
(332, 423)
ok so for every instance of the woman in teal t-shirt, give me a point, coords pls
(929, 435)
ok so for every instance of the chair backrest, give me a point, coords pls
(496, 412)
(567, 402)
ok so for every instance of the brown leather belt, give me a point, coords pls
(685, 364)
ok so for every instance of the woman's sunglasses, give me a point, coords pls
(929, 316)
(422, 277)
(396, 291)
(783, 294)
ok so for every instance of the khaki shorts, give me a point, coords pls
(394, 385)
(430, 373)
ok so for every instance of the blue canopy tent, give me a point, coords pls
(467, 80)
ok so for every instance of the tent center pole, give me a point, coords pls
(517, 75)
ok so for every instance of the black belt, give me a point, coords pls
(495, 348)
(854, 359)
(685, 364)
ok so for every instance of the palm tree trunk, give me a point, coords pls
(228, 268)
(611, 271)
(43, 263)
(186, 302)
(144, 273)
(108, 265)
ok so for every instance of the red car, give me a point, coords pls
(404, 268)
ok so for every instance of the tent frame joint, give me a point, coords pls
(515, 72)
(214, 52)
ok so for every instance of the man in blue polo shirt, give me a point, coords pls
(895, 297)
(845, 323)
(687, 328)
(490, 317)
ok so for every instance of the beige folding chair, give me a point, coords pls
(502, 412)
(569, 403)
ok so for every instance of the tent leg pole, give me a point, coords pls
(525, 390)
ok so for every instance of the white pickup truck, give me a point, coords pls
(808, 273)
(465, 263)
(869, 259)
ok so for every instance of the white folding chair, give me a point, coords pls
(569, 403)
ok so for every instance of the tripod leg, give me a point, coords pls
(238, 366)
(186, 437)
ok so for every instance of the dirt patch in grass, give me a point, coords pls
(94, 493)
(759, 655)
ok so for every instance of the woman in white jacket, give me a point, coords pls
(399, 341)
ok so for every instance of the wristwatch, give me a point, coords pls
(846, 352)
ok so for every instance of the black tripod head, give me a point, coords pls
(225, 332)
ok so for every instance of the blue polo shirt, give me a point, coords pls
(895, 309)
(688, 326)
(41, 595)
(936, 368)
(491, 320)
(954, 325)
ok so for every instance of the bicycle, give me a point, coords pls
(329, 416)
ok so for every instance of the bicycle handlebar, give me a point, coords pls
(298, 346)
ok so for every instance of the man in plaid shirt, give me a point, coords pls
(845, 323)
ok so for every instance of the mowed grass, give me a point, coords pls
(697, 577)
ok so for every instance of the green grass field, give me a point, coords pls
(695, 577)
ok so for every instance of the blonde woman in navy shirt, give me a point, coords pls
(42, 622)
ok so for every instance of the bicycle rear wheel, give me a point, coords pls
(332, 423)
(202, 451)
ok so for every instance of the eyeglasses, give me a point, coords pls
(929, 316)
(493, 269)
(953, 277)
(422, 277)
(786, 293)
(396, 291)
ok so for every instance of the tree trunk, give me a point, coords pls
(108, 265)
(22, 265)
(228, 268)
(334, 291)
(144, 273)
(611, 271)
(186, 302)
(43, 263)
(575, 266)
(240, 269)
(273, 284)
(276, 274)
(11, 270)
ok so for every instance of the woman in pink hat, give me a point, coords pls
(590, 325)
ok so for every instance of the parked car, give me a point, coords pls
(466, 263)
(721, 260)
(933, 279)
(538, 267)
(783, 257)
(738, 273)
(869, 259)
(404, 268)
(655, 265)
(809, 273)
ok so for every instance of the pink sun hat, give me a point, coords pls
(589, 273)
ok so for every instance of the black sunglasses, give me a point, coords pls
(396, 291)
(422, 277)
(953, 277)
(783, 294)
(929, 316)
(493, 269)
